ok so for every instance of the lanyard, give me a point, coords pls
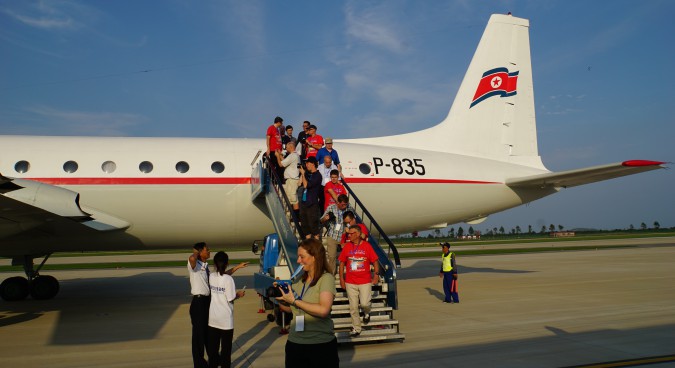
(303, 290)
(356, 247)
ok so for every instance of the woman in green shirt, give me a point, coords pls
(311, 341)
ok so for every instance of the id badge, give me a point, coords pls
(299, 323)
(338, 227)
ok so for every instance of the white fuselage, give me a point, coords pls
(405, 190)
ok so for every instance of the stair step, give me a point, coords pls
(344, 309)
(370, 335)
(342, 297)
(373, 319)
(373, 323)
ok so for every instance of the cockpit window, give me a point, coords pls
(364, 169)
(145, 167)
(109, 167)
(182, 167)
(70, 167)
(217, 167)
(22, 167)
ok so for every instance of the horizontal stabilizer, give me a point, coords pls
(572, 178)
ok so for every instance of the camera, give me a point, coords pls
(274, 292)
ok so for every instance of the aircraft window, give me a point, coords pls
(145, 167)
(109, 167)
(364, 168)
(182, 167)
(217, 167)
(22, 167)
(70, 167)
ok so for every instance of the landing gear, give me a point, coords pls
(39, 287)
(44, 287)
(14, 288)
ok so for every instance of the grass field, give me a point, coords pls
(409, 243)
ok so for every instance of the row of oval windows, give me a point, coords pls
(109, 167)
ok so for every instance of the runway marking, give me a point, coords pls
(629, 362)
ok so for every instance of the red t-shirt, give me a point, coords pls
(311, 151)
(337, 188)
(357, 260)
(364, 232)
(275, 138)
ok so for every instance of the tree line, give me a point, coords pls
(517, 230)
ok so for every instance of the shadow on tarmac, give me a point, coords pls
(428, 268)
(110, 309)
(569, 349)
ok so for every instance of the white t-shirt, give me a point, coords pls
(290, 163)
(199, 278)
(325, 172)
(223, 293)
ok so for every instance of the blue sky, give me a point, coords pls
(602, 72)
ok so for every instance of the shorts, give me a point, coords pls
(291, 189)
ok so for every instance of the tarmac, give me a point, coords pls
(553, 309)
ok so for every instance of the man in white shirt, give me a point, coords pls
(326, 168)
(198, 269)
(291, 175)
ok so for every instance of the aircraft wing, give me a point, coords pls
(27, 205)
(572, 178)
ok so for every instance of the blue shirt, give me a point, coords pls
(323, 152)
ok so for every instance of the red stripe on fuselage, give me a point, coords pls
(142, 181)
(414, 181)
(233, 181)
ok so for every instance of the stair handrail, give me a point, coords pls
(388, 269)
(276, 182)
(275, 185)
(383, 235)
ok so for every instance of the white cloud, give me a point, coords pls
(374, 26)
(51, 15)
(244, 22)
(72, 122)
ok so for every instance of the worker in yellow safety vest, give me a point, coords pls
(449, 275)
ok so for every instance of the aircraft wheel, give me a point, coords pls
(14, 288)
(44, 287)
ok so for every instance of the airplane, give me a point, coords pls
(64, 194)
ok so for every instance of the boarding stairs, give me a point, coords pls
(279, 262)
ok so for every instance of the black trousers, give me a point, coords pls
(199, 315)
(310, 216)
(312, 355)
(219, 339)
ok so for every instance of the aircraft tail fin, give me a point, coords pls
(493, 113)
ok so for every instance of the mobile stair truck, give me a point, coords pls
(279, 252)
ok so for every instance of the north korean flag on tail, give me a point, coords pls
(495, 82)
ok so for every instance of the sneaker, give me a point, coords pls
(366, 318)
(353, 333)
